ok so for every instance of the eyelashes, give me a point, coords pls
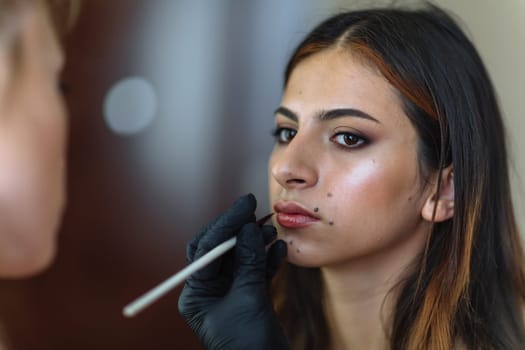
(283, 135)
(345, 139)
(349, 140)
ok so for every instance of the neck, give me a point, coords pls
(360, 296)
(358, 318)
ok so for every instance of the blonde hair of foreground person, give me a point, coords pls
(33, 128)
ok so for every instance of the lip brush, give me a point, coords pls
(157, 292)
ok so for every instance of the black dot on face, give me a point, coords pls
(329, 194)
(331, 223)
(298, 251)
(290, 242)
(316, 209)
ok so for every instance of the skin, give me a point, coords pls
(32, 146)
(362, 175)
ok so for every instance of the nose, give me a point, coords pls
(293, 165)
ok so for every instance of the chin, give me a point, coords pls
(28, 265)
(299, 260)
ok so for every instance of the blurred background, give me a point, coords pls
(171, 107)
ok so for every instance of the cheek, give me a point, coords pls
(378, 181)
(50, 137)
(363, 183)
(33, 151)
(373, 197)
(272, 182)
(52, 120)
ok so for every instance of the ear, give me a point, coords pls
(443, 204)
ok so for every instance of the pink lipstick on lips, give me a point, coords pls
(292, 215)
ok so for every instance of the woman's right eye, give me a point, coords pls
(284, 135)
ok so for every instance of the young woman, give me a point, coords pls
(391, 196)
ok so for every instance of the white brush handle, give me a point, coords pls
(153, 295)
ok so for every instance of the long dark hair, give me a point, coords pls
(468, 284)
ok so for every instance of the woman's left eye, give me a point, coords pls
(348, 140)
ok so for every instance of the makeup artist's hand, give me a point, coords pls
(227, 303)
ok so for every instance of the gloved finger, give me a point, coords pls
(225, 227)
(250, 255)
(269, 234)
(222, 228)
(274, 257)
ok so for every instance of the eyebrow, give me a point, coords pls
(329, 114)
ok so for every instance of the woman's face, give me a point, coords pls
(32, 147)
(344, 177)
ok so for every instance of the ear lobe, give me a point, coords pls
(438, 208)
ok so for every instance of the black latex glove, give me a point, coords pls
(227, 303)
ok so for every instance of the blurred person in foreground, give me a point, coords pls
(33, 132)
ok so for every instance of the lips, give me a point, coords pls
(293, 215)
